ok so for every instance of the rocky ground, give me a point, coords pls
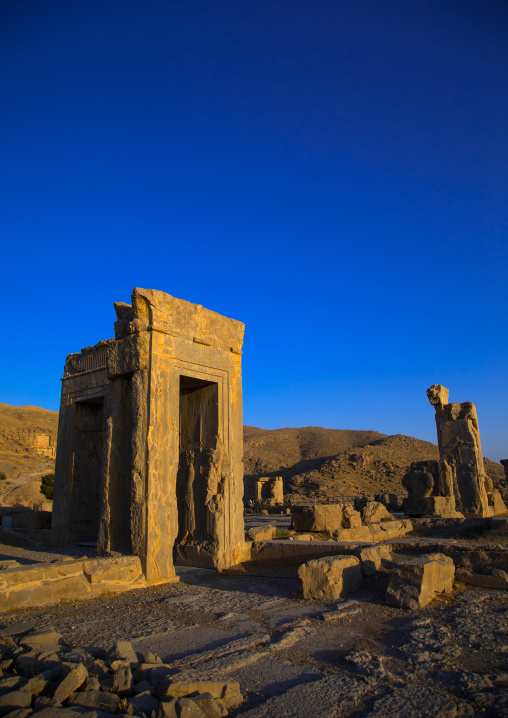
(297, 658)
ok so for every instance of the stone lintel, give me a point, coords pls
(178, 317)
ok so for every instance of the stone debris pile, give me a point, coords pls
(416, 574)
(342, 522)
(41, 674)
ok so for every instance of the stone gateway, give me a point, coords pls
(150, 439)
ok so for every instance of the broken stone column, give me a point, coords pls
(461, 462)
(259, 489)
(277, 490)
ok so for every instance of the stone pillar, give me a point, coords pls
(259, 490)
(504, 462)
(460, 451)
(277, 490)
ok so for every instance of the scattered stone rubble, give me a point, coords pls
(343, 523)
(41, 674)
(304, 659)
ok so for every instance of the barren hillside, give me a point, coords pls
(317, 462)
(313, 461)
(23, 463)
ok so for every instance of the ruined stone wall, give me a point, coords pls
(79, 449)
(44, 445)
(171, 471)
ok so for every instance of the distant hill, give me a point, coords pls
(21, 427)
(287, 452)
(316, 462)
(313, 461)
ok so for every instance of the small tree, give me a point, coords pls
(48, 486)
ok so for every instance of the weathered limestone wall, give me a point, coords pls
(84, 393)
(168, 398)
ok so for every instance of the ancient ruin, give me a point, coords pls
(456, 485)
(461, 458)
(149, 457)
(270, 491)
(44, 445)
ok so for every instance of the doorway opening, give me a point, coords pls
(86, 469)
(199, 431)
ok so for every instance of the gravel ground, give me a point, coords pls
(358, 658)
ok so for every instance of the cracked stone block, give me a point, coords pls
(376, 558)
(326, 518)
(328, 579)
(415, 581)
(374, 513)
(262, 533)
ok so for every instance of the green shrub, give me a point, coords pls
(2, 476)
(283, 533)
(48, 486)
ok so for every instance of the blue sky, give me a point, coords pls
(332, 173)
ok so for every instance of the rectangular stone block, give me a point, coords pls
(415, 581)
(262, 533)
(416, 506)
(328, 579)
(46, 592)
(125, 568)
(326, 518)
(497, 503)
(429, 506)
(394, 529)
(39, 572)
(361, 533)
(127, 355)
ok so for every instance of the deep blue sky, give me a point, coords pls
(334, 173)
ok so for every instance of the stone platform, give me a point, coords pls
(39, 584)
